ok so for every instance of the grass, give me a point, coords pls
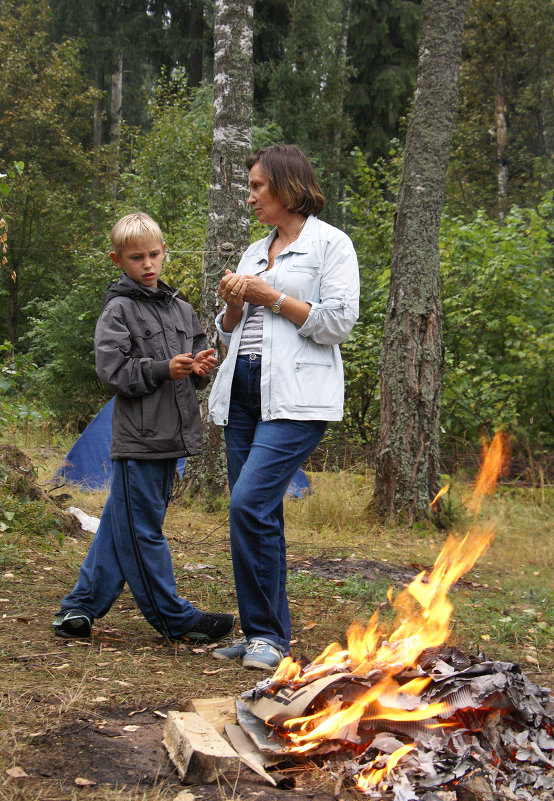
(49, 684)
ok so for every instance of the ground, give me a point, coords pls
(67, 705)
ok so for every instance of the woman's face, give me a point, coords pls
(267, 207)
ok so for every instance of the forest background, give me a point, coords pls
(106, 107)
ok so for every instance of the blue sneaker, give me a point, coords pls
(236, 650)
(262, 655)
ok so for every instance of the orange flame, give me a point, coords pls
(372, 776)
(423, 614)
(495, 458)
(440, 493)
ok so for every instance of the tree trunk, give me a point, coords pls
(407, 464)
(115, 100)
(338, 211)
(228, 232)
(501, 146)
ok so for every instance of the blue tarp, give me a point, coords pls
(88, 462)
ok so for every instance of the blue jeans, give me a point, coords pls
(262, 458)
(129, 546)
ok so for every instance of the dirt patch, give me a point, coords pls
(106, 752)
(336, 569)
(103, 751)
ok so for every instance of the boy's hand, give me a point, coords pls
(180, 366)
(204, 362)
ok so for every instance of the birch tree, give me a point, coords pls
(228, 233)
(407, 464)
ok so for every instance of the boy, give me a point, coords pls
(151, 352)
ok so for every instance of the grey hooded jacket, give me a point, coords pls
(138, 332)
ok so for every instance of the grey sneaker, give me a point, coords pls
(72, 623)
(262, 655)
(236, 650)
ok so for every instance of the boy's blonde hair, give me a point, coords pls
(132, 228)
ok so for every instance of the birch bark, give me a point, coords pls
(228, 233)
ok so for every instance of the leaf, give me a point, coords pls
(311, 624)
(131, 727)
(137, 711)
(17, 773)
(81, 782)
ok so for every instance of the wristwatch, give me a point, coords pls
(277, 305)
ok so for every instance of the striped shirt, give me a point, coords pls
(251, 339)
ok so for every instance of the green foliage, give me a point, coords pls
(506, 53)
(21, 517)
(16, 370)
(168, 176)
(498, 316)
(61, 339)
(499, 325)
(45, 107)
(382, 49)
(371, 209)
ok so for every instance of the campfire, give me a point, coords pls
(404, 714)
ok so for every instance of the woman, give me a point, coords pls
(292, 301)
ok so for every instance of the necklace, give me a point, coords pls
(275, 247)
(297, 234)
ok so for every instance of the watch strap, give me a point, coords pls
(276, 307)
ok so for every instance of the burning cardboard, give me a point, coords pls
(404, 711)
(491, 719)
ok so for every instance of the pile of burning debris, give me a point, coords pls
(445, 718)
(402, 715)
(407, 713)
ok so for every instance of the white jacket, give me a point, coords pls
(301, 375)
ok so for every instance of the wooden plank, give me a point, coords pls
(196, 749)
(217, 711)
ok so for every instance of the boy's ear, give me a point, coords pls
(115, 258)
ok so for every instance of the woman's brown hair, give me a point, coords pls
(291, 178)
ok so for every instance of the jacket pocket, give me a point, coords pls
(312, 373)
(128, 422)
(149, 341)
(305, 264)
(185, 337)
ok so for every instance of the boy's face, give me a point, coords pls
(141, 260)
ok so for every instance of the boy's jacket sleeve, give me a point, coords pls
(117, 366)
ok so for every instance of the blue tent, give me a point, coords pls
(88, 462)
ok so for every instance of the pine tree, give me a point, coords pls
(407, 464)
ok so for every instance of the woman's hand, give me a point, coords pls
(258, 292)
(232, 288)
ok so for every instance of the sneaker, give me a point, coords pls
(236, 650)
(72, 623)
(211, 627)
(262, 655)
